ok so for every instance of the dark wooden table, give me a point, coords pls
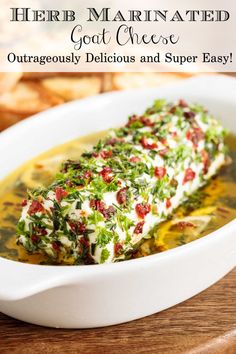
(203, 324)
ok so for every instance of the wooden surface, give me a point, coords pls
(203, 324)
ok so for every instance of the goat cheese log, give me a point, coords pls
(101, 206)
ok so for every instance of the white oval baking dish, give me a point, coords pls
(102, 295)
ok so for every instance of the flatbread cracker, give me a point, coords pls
(8, 80)
(71, 88)
(27, 99)
(124, 81)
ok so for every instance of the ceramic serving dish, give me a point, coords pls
(102, 295)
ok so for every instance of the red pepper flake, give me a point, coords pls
(173, 109)
(69, 184)
(195, 135)
(77, 227)
(146, 121)
(84, 241)
(113, 141)
(168, 203)
(43, 232)
(106, 154)
(139, 228)
(189, 135)
(189, 175)
(34, 238)
(183, 103)
(117, 248)
(163, 152)
(96, 204)
(95, 154)
(184, 224)
(72, 226)
(199, 135)
(81, 227)
(24, 202)
(56, 246)
(160, 172)
(163, 141)
(134, 159)
(105, 173)
(189, 115)
(88, 175)
(132, 119)
(109, 212)
(60, 194)
(122, 196)
(147, 145)
(174, 134)
(101, 207)
(142, 209)
(35, 207)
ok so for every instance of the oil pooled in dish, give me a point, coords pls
(208, 209)
(216, 201)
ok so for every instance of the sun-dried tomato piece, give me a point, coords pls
(24, 202)
(88, 175)
(139, 228)
(35, 207)
(142, 209)
(101, 207)
(56, 245)
(105, 154)
(195, 135)
(135, 159)
(117, 248)
(189, 114)
(163, 152)
(147, 145)
(146, 121)
(109, 212)
(168, 203)
(189, 175)
(95, 154)
(60, 194)
(84, 241)
(174, 134)
(132, 119)
(105, 173)
(160, 172)
(113, 141)
(40, 231)
(34, 238)
(78, 227)
(122, 195)
(183, 103)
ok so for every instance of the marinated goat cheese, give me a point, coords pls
(101, 207)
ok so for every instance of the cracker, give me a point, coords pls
(124, 81)
(28, 98)
(71, 88)
(8, 80)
